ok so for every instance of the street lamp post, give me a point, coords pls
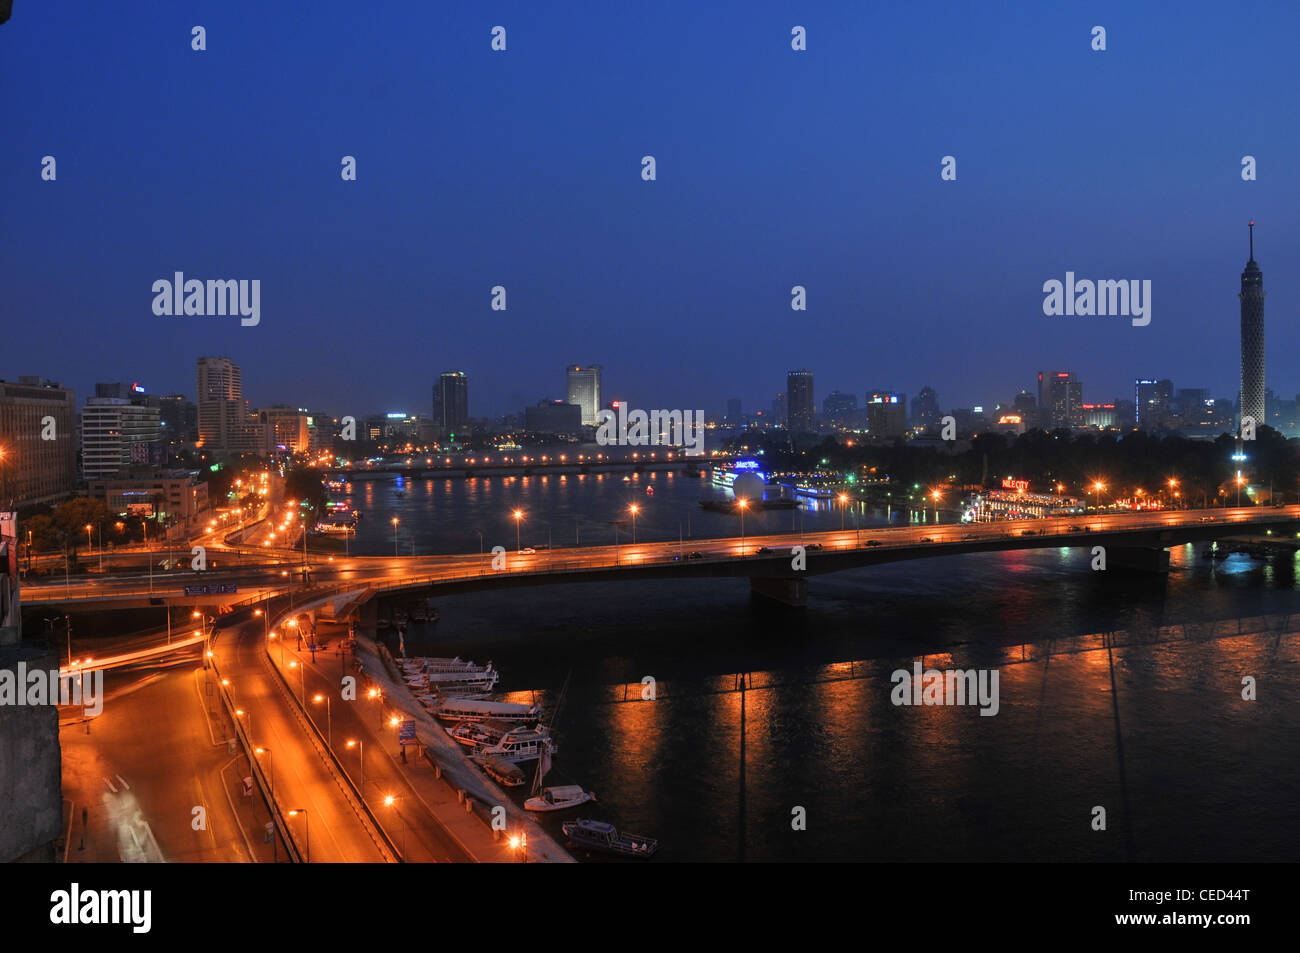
(270, 757)
(395, 521)
(391, 801)
(743, 504)
(329, 719)
(306, 823)
(302, 683)
(634, 509)
(361, 758)
(518, 515)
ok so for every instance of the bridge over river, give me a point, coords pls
(1132, 541)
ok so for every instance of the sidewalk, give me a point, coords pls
(466, 822)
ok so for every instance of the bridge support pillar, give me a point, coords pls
(1140, 558)
(788, 592)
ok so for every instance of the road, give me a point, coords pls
(302, 778)
(140, 778)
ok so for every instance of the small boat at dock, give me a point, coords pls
(559, 798)
(598, 835)
(502, 771)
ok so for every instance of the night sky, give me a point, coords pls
(523, 168)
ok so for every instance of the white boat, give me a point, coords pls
(339, 529)
(559, 798)
(469, 709)
(419, 665)
(491, 740)
(483, 681)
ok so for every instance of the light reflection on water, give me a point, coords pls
(1206, 775)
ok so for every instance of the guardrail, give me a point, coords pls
(553, 565)
(255, 765)
(357, 800)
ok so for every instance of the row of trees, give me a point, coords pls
(1128, 460)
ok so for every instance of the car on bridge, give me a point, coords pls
(528, 551)
(873, 542)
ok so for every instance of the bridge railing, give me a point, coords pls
(625, 555)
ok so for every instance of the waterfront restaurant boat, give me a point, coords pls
(598, 835)
(558, 798)
(483, 681)
(514, 744)
(470, 710)
(418, 665)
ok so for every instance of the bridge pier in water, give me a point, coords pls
(788, 592)
(1139, 558)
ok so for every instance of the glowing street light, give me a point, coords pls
(307, 822)
(634, 509)
(518, 515)
(743, 503)
(395, 521)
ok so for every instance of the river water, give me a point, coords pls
(1153, 729)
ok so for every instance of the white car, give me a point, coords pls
(528, 551)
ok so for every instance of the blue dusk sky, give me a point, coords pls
(522, 169)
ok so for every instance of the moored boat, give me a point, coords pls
(558, 798)
(502, 771)
(515, 744)
(599, 835)
(469, 710)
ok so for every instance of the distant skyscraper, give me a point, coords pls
(800, 407)
(840, 409)
(1060, 399)
(221, 402)
(733, 412)
(1252, 339)
(1026, 406)
(886, 414)
(925, 407)
(451, 404)
(780, 410)
(1152, 398)
(582, 387)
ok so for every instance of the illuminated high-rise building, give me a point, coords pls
(800, 408)
(451, 404)
(582, 387)
(1252, 339)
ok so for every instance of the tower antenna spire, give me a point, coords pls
(1252, 239)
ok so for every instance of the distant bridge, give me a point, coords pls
(536, 466)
